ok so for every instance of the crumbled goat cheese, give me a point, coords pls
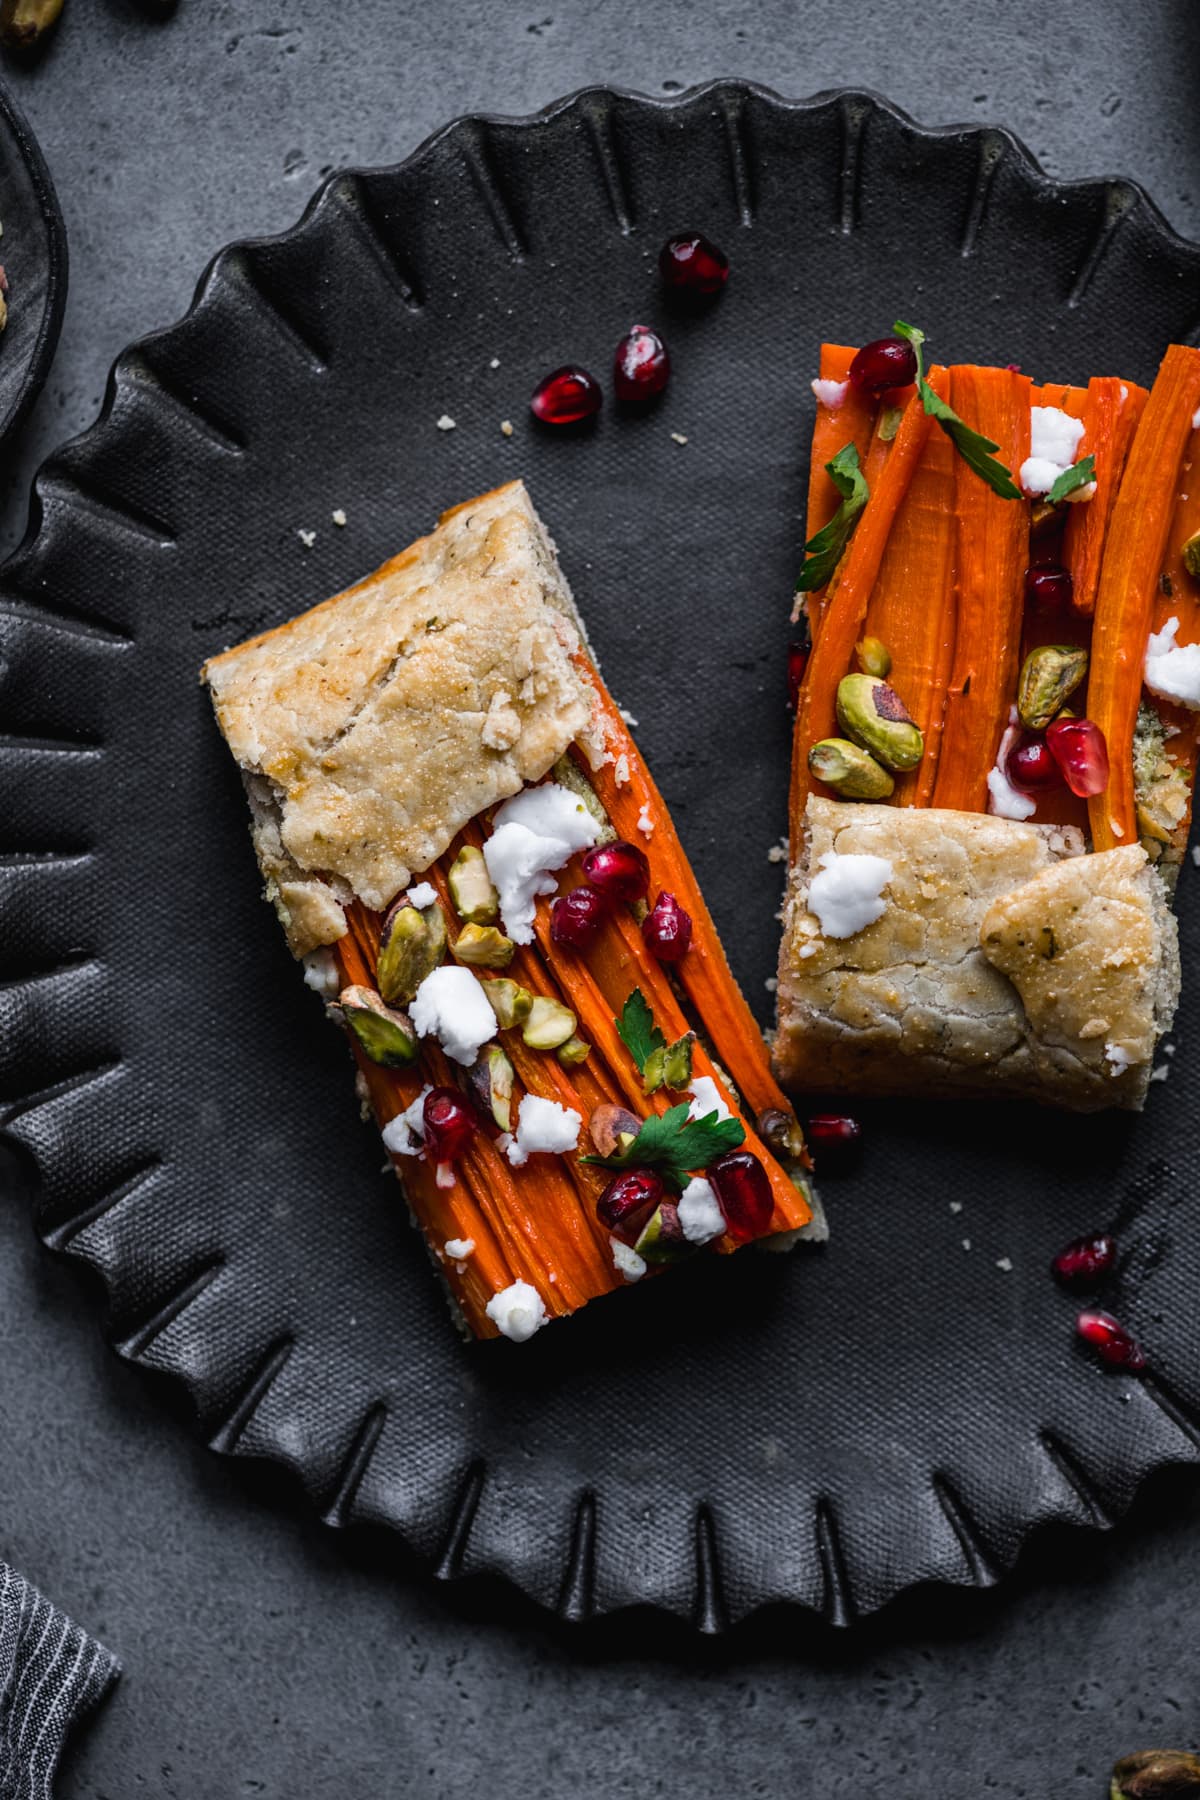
(706, 1098)
(320, 974)
(1161, 1073)
(445, 423)
(517, 1312)
(536, 832)
(645, 823)
(338, 515)
(1117, 1058)
(700, 1217)
(627, 1261)
(677, 437)
(458, 1249)
(1053, 441)
(506, 428)
(1173, 670)
(543, 1125)
(627, 716)
(621, 771)
(846, 893)
(830, 393)
(451, 1006)
(1004, 800)
(1005, 1263)
(405, 1134)
(424, 894)
(307, 538)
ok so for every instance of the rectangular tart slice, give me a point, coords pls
(996, 732)
(464, 845)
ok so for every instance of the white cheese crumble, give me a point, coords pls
(645, 823)
(338, 515)
(830, 393)
(677, 437)
(536, 832)
(405, 1134)
(1053, 442)
(846, 894)
(1117, 1058)
(458, 1249)
(517, 1311)
(1173, 670)
(627, 716)
(451, 1006)
(778, 853)
(1004, 800)
(445, 423)
(424, 894)
(1005, 1263)
(495, 363)
(700, 1217)
(621, 771)
(706, 1098)
(320, 974)
(626, 1260)
(307, 538)
(543, 1125)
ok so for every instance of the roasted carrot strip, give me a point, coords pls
(1110, 412)
(1178, 597)
(1137, 548)
(991, 556)
(849, 422)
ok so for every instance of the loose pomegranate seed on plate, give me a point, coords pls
(797, 662)
(628, 1201)
(1079, 749)
(449, 1125)
(1048, 584)
(1085, 1260)
(1030, 766)
(889, 362)
(576, 918)
(667, 930)
(566, 396)
(619, 871)
(1110, 1340)
(693, 264)
(832, 1134)
(641, 366)
(743, 1193)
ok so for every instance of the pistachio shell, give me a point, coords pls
(874, 716)
(1049, 676)
(850, 770)
(670, 1065)
(661, 1239)
(411, 945)
(382, 1033)
(874, 657)
(549, 1024)
(510, 1002)
(483, 947)
(490, 1079)
(782, 1132)
(474, 897)
(610, 1124)
(568, 774)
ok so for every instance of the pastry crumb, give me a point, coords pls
(966, 1243)
(307, 538)
(1168, 1049)
(1161, 1073)
(506, 428)
(495, 363)
(445, 423)
(1196, 855)
(677, 437)
(1005, 1263)
(627, 716)
(645, 823)
(338, 515)
(956, 1206)
(778, 853)
(772, 984)
(621, 771)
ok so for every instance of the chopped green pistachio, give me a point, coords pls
(549, 1024)
(568, 774)
(491, 1082)
(383, 1034)
(1049, 676)
(873, 715)
(474, 897)
(573, 1052)
(483, 947)
(849, 770)
(874, 657)
(411, 946)
(662, 1239)
(510, 1002)
(669, 1065)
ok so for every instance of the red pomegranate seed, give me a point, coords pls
(1031, 766)
(743, 1193)
(693, 263)
(797, 662)
(1048, 584)
(628, 1201)
(667, 930)
(1079, 749)
(832, 1134)
(449, 1125)
(566, 396)
(576, 918)
(1086, 1260)
(641, 365)
(620, 871)
(889, 362)
(1110, 1340)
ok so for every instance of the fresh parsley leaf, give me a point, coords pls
(976, 451)
(637, 1030)
(675, 1145)
(1077, 476)
(824, 551)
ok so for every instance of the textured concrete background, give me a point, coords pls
(263, 1655)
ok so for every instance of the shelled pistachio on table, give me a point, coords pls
(881, 734)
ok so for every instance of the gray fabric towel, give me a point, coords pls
(51, 1673)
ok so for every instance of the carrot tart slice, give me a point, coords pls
(468, 853)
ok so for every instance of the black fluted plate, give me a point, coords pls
(828, 1428)
(33, 250)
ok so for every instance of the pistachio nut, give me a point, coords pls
(510, 1002)
(490, 1081)
(23, 22)
(850, 770)
(1190, 552)
(568, 774)
(874, 657)
(411, 945)
(661, 1239)
(670, 1065)
(474, 897)
(875, 716)
(382, 1033)
(483, 947)
(549, 1024)
(1049, 676)
(889, 423)
(1157, 1775)
(576, 1050)
(612, 1129)
(781, 1132)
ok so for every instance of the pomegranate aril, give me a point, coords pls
(619, 871)
(832, 1135)
(1085, 1260)
(641, 366)
(693, 264)
(797, 662)
(1110, 1340)
(667, 930)
(1079, 749)
(576, 918)
(628, 1201)
(889, 362)
(1030, 766)
(1048, 584)
(743, 1193)
(566, 396)
(449, 1124)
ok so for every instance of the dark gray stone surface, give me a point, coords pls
(264, 1655)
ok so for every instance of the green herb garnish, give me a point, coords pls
(976, 451)
(674, 1144)
(1077, 476)
(657, 1061)
(824, 551)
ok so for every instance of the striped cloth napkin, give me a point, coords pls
(51, 1673)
